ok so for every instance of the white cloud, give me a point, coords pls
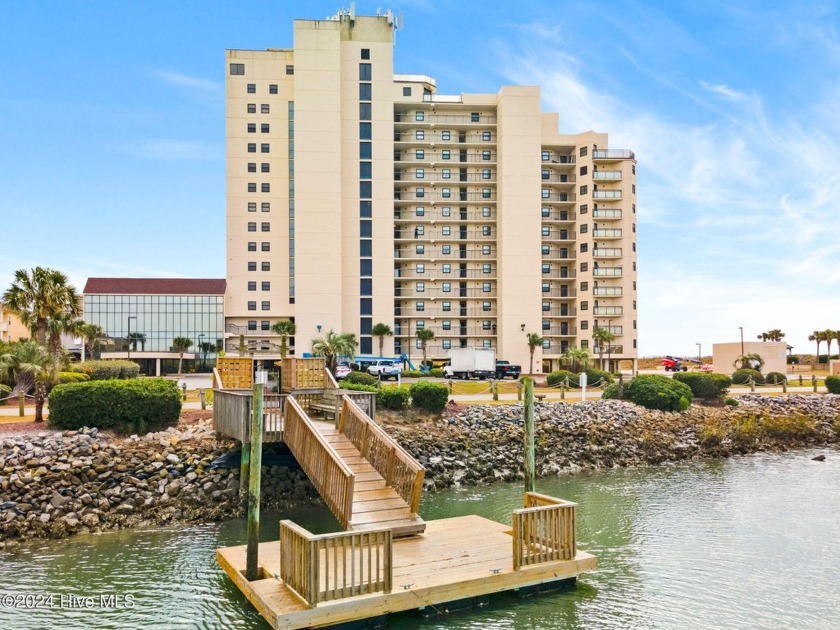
(723, 90)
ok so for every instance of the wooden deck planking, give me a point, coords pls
(454, 559)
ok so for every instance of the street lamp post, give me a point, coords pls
(201, 350)
(741, 328)
(130, 317)
(699, 355)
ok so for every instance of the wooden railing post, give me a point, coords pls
(529, 434)
(252, 563)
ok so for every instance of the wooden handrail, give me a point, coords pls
(324, 467)
(335, 566)
(399, 469)
(544, 531)
(232, 413)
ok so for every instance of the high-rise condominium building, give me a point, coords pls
(357, 196)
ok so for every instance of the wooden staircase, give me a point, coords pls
(365, 477)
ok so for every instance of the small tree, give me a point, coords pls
(334, 345)
(381, 330)
(577, 359)
(91, 334)
(819, 337)
(828, 336)
(285, 328)
(750, 361)
(181, 345)
(602, 336)
(772, 335)
(425, 335)
(30, 366)
(534, 341)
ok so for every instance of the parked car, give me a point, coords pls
(505, 368)
(341, 371)
(385, 369)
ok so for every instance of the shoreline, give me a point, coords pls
(56, 484)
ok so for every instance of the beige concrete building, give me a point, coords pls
(11, 328)
(774, 354)
(357, 196)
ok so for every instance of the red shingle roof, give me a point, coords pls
(155, 286)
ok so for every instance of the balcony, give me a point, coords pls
(613, 154)
(442, 235)
(443, 159)
(559, 255)
(560, 178)
(613, 272)
(439, 178)
(558, 158)
(607, 233)
(480, 120)
(432, 254)
(409, 138)
(559, 293)
(607, 176)
(433, 215)
(607, 252)
(560, 312)
(432, 196)
(433, 274)
(564, 216)
(558, 197)
(434, 293)
(559, 331)
(434, 310)
(608, 310)
(558, 235)
(608, 292)
(560, 274)
(606, 194)
(233, 329)
(608, 350)
(606, 213)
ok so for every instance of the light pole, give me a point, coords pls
(130, 317)
(741, 328)
(699, 353)
(200, 349)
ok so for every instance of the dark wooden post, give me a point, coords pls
(254, 480)
(529, 434)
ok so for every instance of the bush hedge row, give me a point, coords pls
(361, 378)
(704, 385)
(654, 391)
(130, 406)
(742, 376)
(832, 384)
(429, 396)
(72, 377)
(110, 369)
(774, 378)
(593, 377)
(394, 398)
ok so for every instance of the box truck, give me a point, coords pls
(471, 363)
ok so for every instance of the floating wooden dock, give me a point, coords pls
(350, 576)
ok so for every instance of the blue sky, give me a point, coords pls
(112, 137)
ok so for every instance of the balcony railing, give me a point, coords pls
(559, 255)
(560, 312)
(440, 178)
(607, 271)
(607, 233)
(606, 194)
(560, 274)
(433, 274)
(608, 310)
(442, 235)
(606, 213)
(559, 235)
(554, 331)
(608, 292)
(555, 197)
(435, 309)
(609, 176)
(455, 139)
(411, 196)
(434, 253)
(613, 154)
(560, 178)
(607, 252)
(608, 350)
(433, 214)
(554, 158)
(559, 293)
(454, 293)
(562, 217)
(443, 159)
(452, 119)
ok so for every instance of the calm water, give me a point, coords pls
(742, 543)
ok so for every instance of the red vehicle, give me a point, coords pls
(674, 364)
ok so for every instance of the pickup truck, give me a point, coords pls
(385, 369)
(504, 368)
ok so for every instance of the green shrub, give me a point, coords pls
(414, 373)
(429, 396)
(610, 391)
(395, 398)
(704, 385)
(72, 377)
(132, 406)
(832, 384)
(742, 376)
(109, 369)
(654, 391)
(558, 376)
(774, 378)
(731, 402)
(361, 378)
(357, 387)
(596, 377)
(436, 372)
(792, 359)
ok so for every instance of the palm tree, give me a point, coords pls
(425, 335)
(749, 362)
(58, 325)
(577, 359)
(135, 338)
(205, 347)
(40, 296)
(772, 335)
(602, 337)
(91, 333)
(29, 365)
(285, 328)
(534, 341)
(381, 330)
(817, 336)
(181, 345)
(334, 345)
(828, 336)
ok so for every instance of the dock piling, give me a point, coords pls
(529, 434)
(254, 480)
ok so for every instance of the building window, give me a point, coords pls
(584, 305)
(446, 193)
(265, 187)
(265, 246)
(265, 286)
(546, 344)
(237, 68)
(419, 230)
(446, 230)
(584, 208)
(265, 148)
(584, 325)
(419, 116)
(446, 344)
(272, 89)
(420, 325)
(546, 231)
(252, 108)
(446, 306)
(419, 154)
(252, 246)
(486, 250)
(365, 92)
(584, 190)
(474, 117)
(365, 228)
(485, 211)
(365, 170)
(485, 136)
(546, 156)
(546, 287)
(445, 250)
(446, 268)
(584, 286)
(546, 193)
(420, 287)
(406, 91)
(446, 287)
(419, 135)
(420, 173)
(546, 268)
(445, 135)
(485, 173)
(252, 305)
(546, 174)
(419, 211)
(252, 226)
(265, 227)
(583, 170)
(252, 285)
(265, 306)
(365, 150)
(290, 69)
(252, 206)
(486, 268)
(365, 72)
(252, 187)
(446, 211)
(265, 266)
(486, 287)
(584, 247)
(546, 324)
(420, 268)
(365, 111)
(365, 209)
(546, 306)
(365, 247)
(265, 206)
(252, 127)
(365, 190)
(365, 131)
(486, 306)
(420, 306)
(251, 88)
(264, 108)
(265, 167)
(445, 154)
(485, 230)
(583, 151)
(264, 127)
(584, 267)
(420, 192)
(252, 266)
(252, 147)
(419, 249)
(446, 174)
